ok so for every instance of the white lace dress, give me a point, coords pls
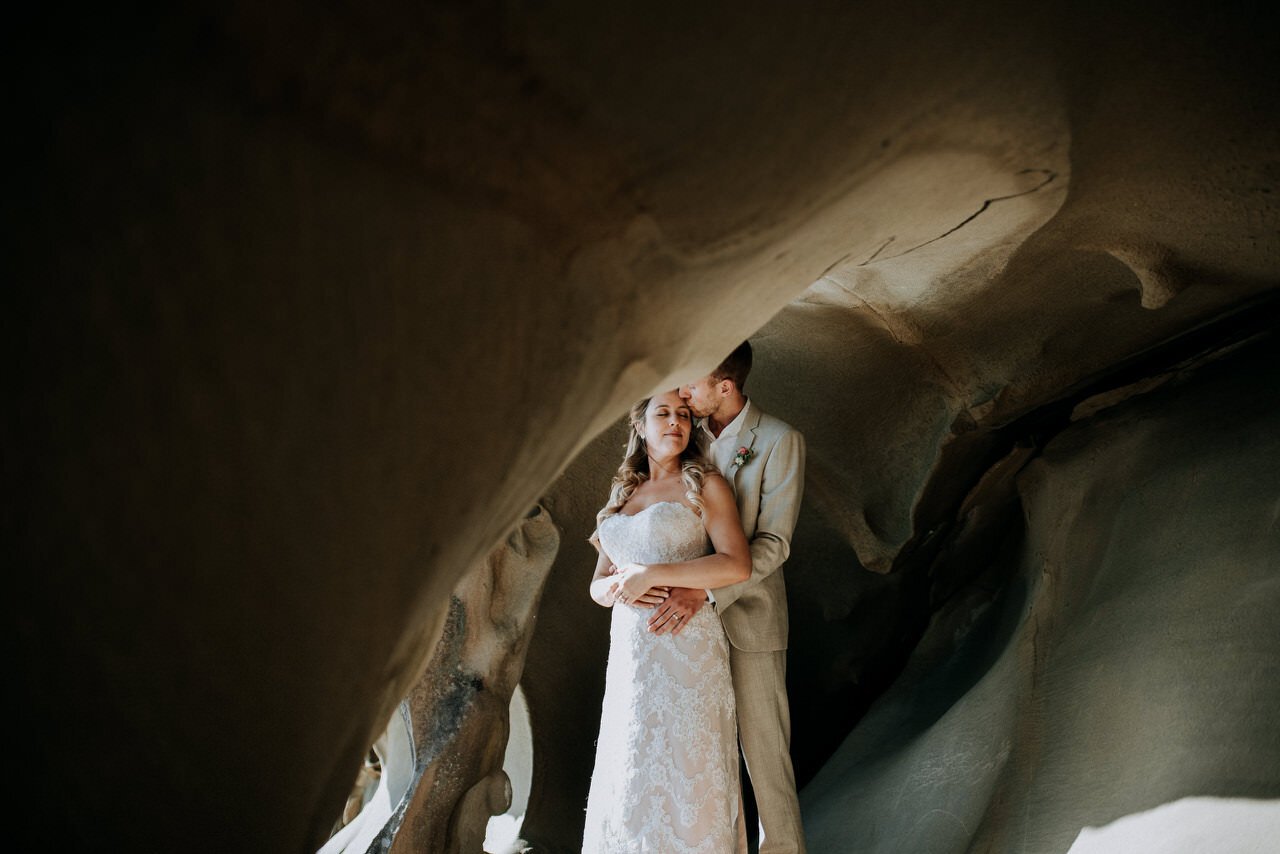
(666, 772)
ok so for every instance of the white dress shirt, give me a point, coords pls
(724, 448)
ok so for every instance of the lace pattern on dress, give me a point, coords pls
(666, 771)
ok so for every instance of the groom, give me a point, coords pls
(763, 459)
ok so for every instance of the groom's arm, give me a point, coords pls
(781, 488)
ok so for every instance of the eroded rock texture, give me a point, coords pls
(309, 306)
(1121, 658)
(457, 711)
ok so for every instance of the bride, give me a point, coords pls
(666, 770)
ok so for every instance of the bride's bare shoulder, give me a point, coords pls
(714, 485)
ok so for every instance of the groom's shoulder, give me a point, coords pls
(775, 426)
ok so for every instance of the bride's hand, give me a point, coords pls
(652, 598)
(634, 589)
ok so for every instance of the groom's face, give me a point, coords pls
(703, 396)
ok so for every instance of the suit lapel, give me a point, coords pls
(746, 439)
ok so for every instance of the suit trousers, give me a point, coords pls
(764, 730)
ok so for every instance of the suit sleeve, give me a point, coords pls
(781, 489)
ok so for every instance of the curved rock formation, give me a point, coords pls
(1120, 657)
(312, 305)
(454, 724)
(459, 707)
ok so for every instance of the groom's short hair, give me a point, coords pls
(736, 366)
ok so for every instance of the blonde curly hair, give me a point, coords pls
(634, 469)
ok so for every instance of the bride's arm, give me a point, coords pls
(730, 564)
(606, 583)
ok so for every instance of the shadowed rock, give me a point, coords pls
(1125, 663)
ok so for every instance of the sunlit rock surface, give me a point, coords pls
(458, 709)
(310, 306)
(1188, 826)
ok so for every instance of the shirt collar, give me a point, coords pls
(732, 429)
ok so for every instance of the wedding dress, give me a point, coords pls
(666, 772)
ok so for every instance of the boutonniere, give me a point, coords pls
(741, 457)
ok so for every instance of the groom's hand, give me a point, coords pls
(675, 613)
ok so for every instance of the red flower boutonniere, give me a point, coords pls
(741, 457)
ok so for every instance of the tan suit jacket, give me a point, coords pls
(768, 488)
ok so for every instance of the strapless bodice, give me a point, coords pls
(663, 532)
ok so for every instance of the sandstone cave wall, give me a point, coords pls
(1122, 658)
